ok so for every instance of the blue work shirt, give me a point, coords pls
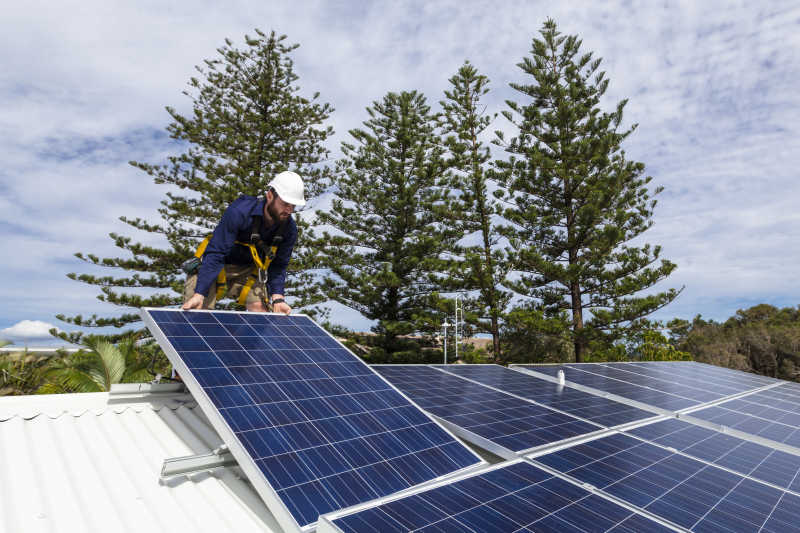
(236, 225)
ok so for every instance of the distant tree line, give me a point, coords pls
(534, 217)
(762, 339)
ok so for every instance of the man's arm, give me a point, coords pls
(276, 273)
(222, 240)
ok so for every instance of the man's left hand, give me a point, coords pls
(280, 307)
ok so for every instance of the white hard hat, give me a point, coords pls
(289, 187)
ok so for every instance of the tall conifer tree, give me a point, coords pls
(248, 122)
(385, 255)
(577, 201)
(481, 267)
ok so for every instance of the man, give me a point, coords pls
(232, 247)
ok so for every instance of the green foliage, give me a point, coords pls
(481, 268)
(385, 255)
(643, 345)
(761, 339)
(21, 372)
(530, 335)
(101, 365)
(574, 200)
(248, 122)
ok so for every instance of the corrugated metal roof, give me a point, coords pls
(91, 462)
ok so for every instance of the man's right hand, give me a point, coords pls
(195, 302)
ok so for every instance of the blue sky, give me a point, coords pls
(712, 85)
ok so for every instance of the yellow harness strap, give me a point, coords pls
(222, 285)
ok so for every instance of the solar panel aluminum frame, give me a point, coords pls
(493, 447)
(245, 461)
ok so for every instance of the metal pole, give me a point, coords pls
(445, 325)
(459, 309)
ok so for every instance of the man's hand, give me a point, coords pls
(195, 302)
(280, 307)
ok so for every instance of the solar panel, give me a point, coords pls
(511, 425)
(313, 427)
(693, 494)
(597, 409)
(770, 414)
(672, 386)
(748, 458)
(515, 497)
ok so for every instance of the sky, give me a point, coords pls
(712, 86)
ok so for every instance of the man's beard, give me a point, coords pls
(273, 213)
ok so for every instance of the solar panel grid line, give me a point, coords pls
(595, 392)
(730, 452)
(556, 409)
(330, 487)
(507, 497)
(694, 495)
(459, 410)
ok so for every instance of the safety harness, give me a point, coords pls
(262, 254)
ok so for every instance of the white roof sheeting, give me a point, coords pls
(91, 462)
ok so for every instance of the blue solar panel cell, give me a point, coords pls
(517, 497)
(596, 409)
(511, 423)
(687, 492)
(323, 429)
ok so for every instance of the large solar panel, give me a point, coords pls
(672, 386)
(313, 427)
(511, 425)
(693, 494)
(748, 458)
(597, 409)
(771, 414)
(513, 498)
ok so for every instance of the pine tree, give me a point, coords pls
(248, 122)
(576, 201)
(481, 268)
(385, 256)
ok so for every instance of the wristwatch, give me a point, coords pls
(278, 301)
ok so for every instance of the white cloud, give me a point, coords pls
(27, 330)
